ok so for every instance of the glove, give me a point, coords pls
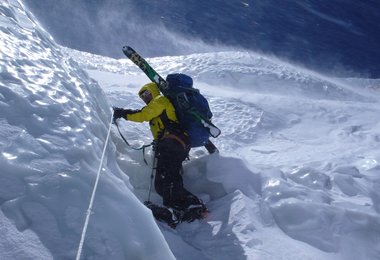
(118, 112)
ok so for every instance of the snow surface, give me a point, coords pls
(297, 176)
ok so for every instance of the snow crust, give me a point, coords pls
(297, 176)
(53, 125)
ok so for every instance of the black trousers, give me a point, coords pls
(168, 181)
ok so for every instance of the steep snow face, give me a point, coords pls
(53, 126)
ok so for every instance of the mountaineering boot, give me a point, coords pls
(163, 214)
(193, 209)
(194, 212)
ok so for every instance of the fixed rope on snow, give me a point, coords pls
(93, 196)
(89, 210)
(143, 150)
(134, 148)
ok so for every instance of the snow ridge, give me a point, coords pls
(53, 125)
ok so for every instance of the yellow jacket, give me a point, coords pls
(157, 111)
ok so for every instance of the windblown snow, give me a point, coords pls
(297, 176)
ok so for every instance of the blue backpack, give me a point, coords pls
(190, 105)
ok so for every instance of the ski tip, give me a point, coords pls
(128, 50)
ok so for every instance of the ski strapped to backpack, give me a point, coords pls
(192, 108)
(145, 67)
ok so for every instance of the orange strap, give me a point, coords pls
(168, 135)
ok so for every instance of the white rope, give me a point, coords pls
(93, 196)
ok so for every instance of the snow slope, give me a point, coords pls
(53, 124)
(297, 176)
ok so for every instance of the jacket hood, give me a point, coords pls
(152, 87)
